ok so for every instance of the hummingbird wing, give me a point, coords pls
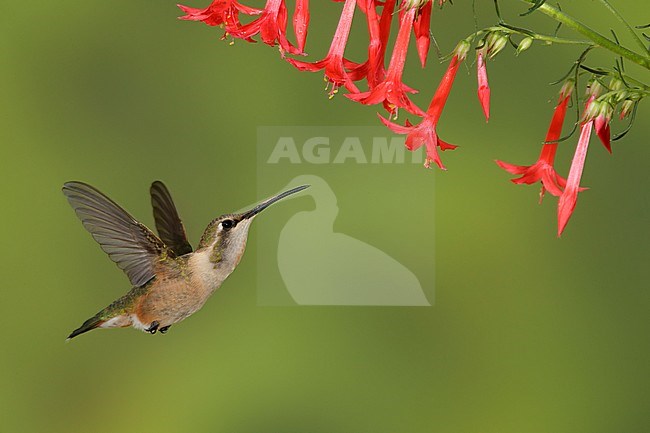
(168, 223)
(129, 243)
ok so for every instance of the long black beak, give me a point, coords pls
(268, 202)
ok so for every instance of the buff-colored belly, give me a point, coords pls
(170, 302)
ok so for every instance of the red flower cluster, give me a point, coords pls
(385, 85)
(543, 170)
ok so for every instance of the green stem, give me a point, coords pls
(599, 39)
(539, 36)
(625, 23)
(556, 40)
(523, 32)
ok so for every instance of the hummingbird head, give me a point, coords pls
(226, 235)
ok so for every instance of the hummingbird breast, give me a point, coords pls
(180, 291)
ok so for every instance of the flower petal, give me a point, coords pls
(601, 125)
(421, 27)
(569, 197)
(301, 23)
(512, 168)
(483, 86)
(333, 63)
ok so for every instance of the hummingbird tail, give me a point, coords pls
(88, 325)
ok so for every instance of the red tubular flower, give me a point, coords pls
(301, 23)
(600, 111)
(425, 132)
(483, 87)
(601, 125)
(378, 31)
(421, 27)
(333, 65)
(569, 197)
(271, 26)
(392, 92)
(385, 21)
(219, 13)
(543, 169)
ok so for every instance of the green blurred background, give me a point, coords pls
(528, 333)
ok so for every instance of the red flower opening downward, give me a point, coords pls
(333, 65)
(392, 92)
(425, 133)
(219, 13)
(378, 30)
(271, 26)
(543, 169)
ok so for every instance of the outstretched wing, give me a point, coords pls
(129, 243)
(168, 223)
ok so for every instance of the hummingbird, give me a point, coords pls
(170, 281)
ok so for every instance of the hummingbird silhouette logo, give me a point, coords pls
(170, 281)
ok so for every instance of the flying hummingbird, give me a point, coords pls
(170, 281)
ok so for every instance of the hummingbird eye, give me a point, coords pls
(227, 224)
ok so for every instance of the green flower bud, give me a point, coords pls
(616, 84)
(594, 88)
(462, 49)
(524, 44)
(495, 43)
(626, 108)
(592, 111)
(567, 87)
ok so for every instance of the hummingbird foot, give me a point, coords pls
(153, 328)
(164, 329)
